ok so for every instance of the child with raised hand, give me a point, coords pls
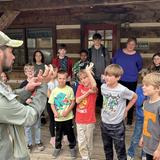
(85, 112)
(150, 140)
(114, 111)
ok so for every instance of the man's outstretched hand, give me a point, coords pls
(41, 78)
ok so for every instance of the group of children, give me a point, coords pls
(62, 100)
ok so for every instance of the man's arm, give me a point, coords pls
(13, 112)
(23, 94)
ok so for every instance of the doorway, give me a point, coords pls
(108, 33)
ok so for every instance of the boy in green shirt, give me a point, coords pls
(62, 102)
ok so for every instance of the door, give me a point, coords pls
(108, 33)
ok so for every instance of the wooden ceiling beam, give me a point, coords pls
(7, 18)
(30, 5)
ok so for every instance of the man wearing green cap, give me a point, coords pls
(13, 114)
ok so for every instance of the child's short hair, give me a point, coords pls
(114, 69)
(152, 79)
(28, 66)
(62, 46)
(83, 51)
(61, 71)
(97, 36)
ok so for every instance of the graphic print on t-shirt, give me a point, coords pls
(82, 105)
(61, 102)
(110, 103)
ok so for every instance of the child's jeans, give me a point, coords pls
(85, 139)
(114, 134)
(37, 132)
(136, 137)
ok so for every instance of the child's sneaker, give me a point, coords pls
(143, 158)
(39, 147)
(56, 153)
(30, 148)
(73, 152)
(129, 157)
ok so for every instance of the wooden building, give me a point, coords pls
(43, 24)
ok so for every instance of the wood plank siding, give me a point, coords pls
(71, 36)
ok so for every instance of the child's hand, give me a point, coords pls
(89, 68)
(28, 101)
(56, 114)
(156, 155)
(64, 113)
(141, 142)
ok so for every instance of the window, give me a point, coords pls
(108, 33)
(34, 38)
(41, 39)
(106, 38)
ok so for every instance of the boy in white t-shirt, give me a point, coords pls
(114, 112)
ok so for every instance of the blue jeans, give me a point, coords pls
(114, 134)
(136, 137)
(37, 132)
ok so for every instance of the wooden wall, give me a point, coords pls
(71, 36)
(147, 35)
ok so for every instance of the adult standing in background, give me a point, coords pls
(99, 55)
(131, 62)
(38, 59)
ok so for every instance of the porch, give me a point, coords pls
(98, 152)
